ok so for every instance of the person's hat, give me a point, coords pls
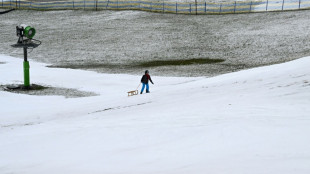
(146, 71)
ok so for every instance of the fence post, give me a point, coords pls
(176, 8)
(163, 6)
(250, 7)
(299, 3)
(196, 7)
(107, 5)
(205, 7)
(282, 5)
(73, 4)
(267, 6)
(220, 8)
(235, 7)
(190, 8)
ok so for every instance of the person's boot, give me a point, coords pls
(141, 92)
(147, 91)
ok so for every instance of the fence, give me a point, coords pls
(163, 6)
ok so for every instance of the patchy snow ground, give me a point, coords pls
(254, 121)
(115, 41)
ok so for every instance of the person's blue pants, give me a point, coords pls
(143, 86)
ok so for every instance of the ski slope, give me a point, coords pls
(249, 122)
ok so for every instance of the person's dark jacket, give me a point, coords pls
(145, 79)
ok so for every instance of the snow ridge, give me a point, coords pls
(253, 121)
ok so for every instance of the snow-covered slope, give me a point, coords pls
(254, 121)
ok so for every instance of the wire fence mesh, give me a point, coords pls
(164, 6)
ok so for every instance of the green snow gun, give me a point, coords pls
(28, 32)
(25, 31)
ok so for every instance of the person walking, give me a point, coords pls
(145, 82)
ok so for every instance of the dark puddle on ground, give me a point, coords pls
(179, 62)
(153, 63)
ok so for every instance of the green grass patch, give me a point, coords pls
(179, 62)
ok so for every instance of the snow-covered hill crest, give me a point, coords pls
(253, 121)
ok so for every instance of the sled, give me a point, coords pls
(132, 93)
